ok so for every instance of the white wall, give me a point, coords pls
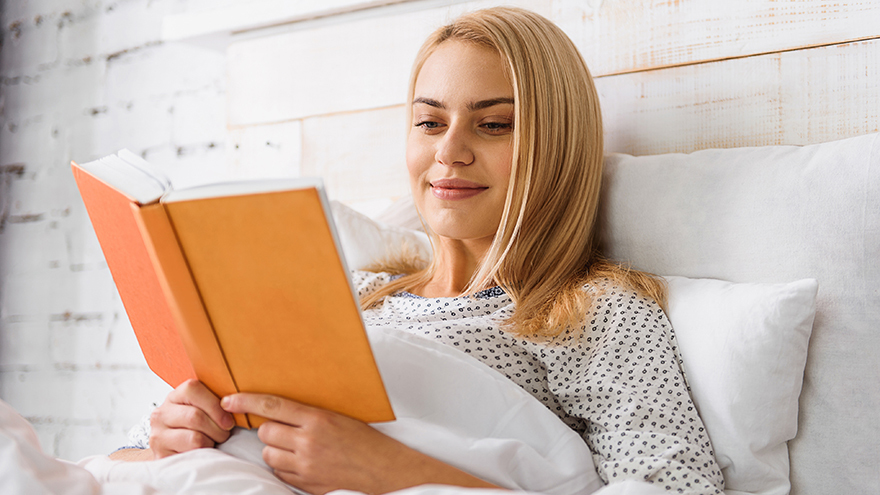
(671, 76)
(81, 79)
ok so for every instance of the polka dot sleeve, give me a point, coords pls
(622, 373)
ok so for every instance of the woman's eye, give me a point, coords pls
(498, 127)
(428, 124)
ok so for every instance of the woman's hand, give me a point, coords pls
(190, 418)
(320, 451)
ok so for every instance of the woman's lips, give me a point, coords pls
(455, 189)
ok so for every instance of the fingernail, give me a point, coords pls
(225, 402)
(228, 423)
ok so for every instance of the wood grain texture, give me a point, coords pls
(333, 68)
(251, 15)
(617, 36)
(264, 151)
(798, 97)
(360, 155)
(364, 63)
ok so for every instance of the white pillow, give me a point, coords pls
(776, 214)
(744, 348)
(366, 241)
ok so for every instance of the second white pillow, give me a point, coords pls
(744, 348)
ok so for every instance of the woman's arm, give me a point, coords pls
(132, 455)
(321, 451)
(622, 373)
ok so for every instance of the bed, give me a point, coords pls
(772, 249)
(743, 164)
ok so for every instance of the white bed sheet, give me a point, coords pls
(448, 405)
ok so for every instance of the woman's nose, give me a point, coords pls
(454, 149)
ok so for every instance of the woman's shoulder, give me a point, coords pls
(365, 283)
(607, 289)
(612, 298)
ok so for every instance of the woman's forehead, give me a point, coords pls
(465, 72)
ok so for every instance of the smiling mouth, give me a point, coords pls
(455, 189)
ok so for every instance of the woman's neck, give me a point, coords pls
(455, 263)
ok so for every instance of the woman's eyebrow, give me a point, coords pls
(477, 105)
(429, 102)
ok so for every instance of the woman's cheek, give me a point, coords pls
(418, 161)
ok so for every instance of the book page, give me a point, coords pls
(134, 181)
(238, 188)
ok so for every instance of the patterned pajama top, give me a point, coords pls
(618, 381)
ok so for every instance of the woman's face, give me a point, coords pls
(460, 147)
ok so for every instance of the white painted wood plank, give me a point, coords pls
(614, 36)
(332, 68)
(831, 93)
(798, 97)
(360, 155)
(365, 63)
(241, 15)
(618, 36)
(264, 151)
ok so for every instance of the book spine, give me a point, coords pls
(135, 277)
(182, 294)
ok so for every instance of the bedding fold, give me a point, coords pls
(448, 405)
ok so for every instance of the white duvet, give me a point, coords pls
(448, 405)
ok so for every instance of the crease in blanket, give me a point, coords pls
(453, 407)
(452, 414)
(25, 469)
(458, 410)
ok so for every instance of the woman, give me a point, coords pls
(506, 135)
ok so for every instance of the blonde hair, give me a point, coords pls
(544, 250)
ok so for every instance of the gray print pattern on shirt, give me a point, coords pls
(617, 381)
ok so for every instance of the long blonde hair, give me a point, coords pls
(544, 250)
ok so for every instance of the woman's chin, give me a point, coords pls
(456, 231)
(476, 218)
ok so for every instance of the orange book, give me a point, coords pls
(242, 285)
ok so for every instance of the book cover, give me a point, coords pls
(254, 292)
(116, 226)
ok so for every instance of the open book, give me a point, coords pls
(241, 285)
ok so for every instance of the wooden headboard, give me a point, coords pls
(687, 75)
(319, 90)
